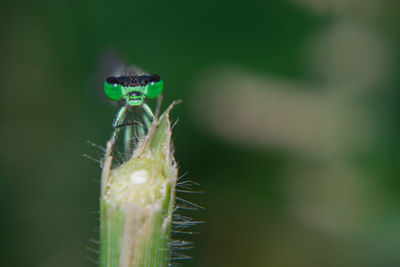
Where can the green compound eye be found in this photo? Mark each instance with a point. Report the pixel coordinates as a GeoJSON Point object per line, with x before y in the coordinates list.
{"type": "Point", "coordinates": [154, 87]}
{"type": "Point", "coordinates": [112, 89]}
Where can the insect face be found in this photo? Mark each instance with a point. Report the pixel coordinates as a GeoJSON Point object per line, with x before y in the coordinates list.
{"type": "Point", "coordinates": [133, 89]}
{"type": "Point", "coordinates": [134, 96]}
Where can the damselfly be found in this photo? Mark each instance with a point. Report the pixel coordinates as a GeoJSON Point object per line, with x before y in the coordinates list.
{"type": "Point", "coordinates": [132, 87]}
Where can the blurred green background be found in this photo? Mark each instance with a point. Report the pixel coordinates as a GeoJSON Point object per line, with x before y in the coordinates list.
{"type": "Point", "coordinates": [289, 122]}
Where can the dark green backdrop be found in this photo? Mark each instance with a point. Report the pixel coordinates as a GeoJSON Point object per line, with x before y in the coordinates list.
{"type": "Point", "coordinates": [54, 55]}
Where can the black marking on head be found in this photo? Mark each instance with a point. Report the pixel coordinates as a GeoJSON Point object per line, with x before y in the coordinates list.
{"type": "Point", "coordinates": [154, 78]}
{"type": "Point", "coordinates": [127, 81]}
{"type": "Point", "coordinates": [133, 81]}
{"type": "Point", "coordinates": [134, 93]}
{"type": "Point", "coordinates": [146, 79]}
{"type": "Point", "coordinates": [112, 80]}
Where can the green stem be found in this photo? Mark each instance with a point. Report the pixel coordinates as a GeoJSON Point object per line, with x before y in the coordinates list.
{"type": "Point", "coordinates": [137, 201]}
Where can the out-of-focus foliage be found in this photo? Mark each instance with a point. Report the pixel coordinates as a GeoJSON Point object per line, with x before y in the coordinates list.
{"type": "Point", "coordinates": [289, 122]}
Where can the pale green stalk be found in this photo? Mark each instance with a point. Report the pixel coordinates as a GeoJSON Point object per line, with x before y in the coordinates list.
{"type": "Point", "coordinates": [137, 201]}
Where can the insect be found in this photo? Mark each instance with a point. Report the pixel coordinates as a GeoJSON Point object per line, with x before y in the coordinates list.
{"type": "Point", "coordinates": [132, 88]}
